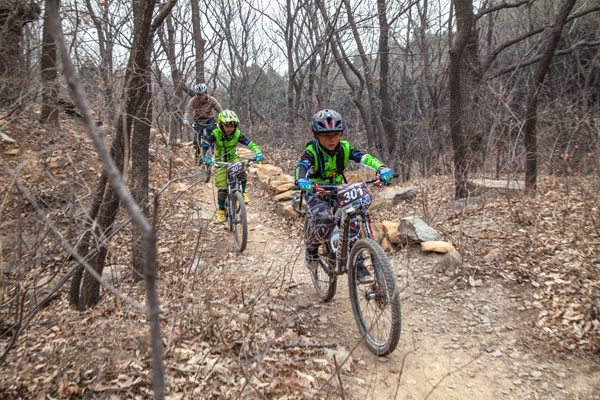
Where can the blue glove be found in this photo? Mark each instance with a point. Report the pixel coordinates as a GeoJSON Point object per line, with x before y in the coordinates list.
{"type": "Point", "coordinates": [259, 157]}
{"type": "Point", "coordinates": [208, 161]}
{"type": "Point", "coordinates": [186, 120]}
{"type": "Point", "coordinates": [305, 185]}
{"type": "Point", "coordinates": [385, 174]}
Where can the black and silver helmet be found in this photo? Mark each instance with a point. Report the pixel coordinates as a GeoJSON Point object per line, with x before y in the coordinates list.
{"type": "Point", "coordinates": [326, 121]}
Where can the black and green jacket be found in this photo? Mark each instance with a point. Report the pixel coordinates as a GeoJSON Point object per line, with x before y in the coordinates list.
{"type": "Point", "coordinates": [321, 166]}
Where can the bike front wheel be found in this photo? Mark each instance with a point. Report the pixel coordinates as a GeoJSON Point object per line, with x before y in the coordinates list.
{"type": "Point", "coordinates": [323, 278]}
{"type": "Point", "coordinates": [238, 222]}
{"type": "Point", "coordinates": [376, 304]}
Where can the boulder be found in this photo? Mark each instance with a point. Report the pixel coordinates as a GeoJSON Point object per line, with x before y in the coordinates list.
{"type": "Point", "coordinates": [391, 196]}
{"type": "Point", "coordinates": [413, 229]}
{"type": "Point", "coordinates": [477, 187]}
{"type": "Point", "coordinates": [285, 208]}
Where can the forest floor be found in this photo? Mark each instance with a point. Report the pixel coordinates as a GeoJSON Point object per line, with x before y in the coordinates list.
{"type": "Point", "coordinates": [517, 320]}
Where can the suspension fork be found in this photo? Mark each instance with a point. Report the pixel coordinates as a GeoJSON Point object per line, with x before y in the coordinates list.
{"type": "Point", "coordinates": [365, 221]}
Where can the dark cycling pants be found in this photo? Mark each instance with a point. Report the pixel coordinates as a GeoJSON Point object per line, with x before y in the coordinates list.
{"type": "Point", "coordinates": [198, 131]}
{"type": "Point", "coordinates": [320, 217]}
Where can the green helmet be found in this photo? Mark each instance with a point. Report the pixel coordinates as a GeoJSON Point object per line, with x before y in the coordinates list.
{"type": "Point", "coordinates": [227, 117]}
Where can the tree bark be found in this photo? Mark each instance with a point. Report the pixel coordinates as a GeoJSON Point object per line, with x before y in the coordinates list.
{"type": "Point", "coordinates": [49, 110]}
{"type": "Point", "coordinates": [141, 107]}
{"type": "Point", "coordinates": [14, 14]}
{"type": "Point", "coordinates": [458, 94]}
{"type": "Point", "coordinates": [532, 98]}
{"type": "Point", "coordinates": [199, 42]}
{"type": "Point", "coordinates": [389, 127]}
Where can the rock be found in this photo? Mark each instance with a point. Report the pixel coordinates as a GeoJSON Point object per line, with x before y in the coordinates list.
{"type": "Point", "coordinates": [285, 208]}
{"type": "Point", "coordinates": [390, 196]}
{"type": "Point", "coordinates": [276, 181]}
{"type": "Point", "coordinates": [477, 187]}
{"type": "Point", "coordinates": [264, 172]}
{"type": "Point", "coordinates": [413, 229]}
{"type": "Point", "coordinates": [438, 247]}
{"type": "Point", "coordinates": [285, 196]}
{"type": "Point", "coordinates": [391, 232]}
{"type": "Point", "coordinates": [283, 188]}
{"type": "Point", "coordinates": [7, 139]}
{"type": "Point", "coordinates": [449, 263]}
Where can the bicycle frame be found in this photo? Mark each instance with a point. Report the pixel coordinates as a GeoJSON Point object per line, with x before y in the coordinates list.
{"type": "Point", "coordinates": [233, 180]}
{"type": "Point", "coordinates": [235, 207]}
{"type": "Point", "coordinates": [200, 132]}
{"type": "Point", "coordinates": [342, 217]}
{"type": "Point", "coordinates": [374, 297]}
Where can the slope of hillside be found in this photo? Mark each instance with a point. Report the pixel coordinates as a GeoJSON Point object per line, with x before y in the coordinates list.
{"type": "Point", "coordinates": [518, 319]}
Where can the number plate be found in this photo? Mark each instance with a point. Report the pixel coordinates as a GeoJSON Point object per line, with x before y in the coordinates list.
{"type": "Point", "coordinates": [353, 193]}
{"type": "Point", "coordinates": [234, 169]}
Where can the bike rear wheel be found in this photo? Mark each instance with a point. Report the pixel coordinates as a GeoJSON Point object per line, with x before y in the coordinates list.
{"type": "Point", "coordinates": [376, 305]}
{"type": "Point", "coordinates": [323, 278]}
{"type": "Point", "coordinates": [238, 222]}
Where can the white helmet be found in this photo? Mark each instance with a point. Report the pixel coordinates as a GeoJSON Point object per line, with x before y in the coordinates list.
{"type": "Point", "coordinates": [200, 88]}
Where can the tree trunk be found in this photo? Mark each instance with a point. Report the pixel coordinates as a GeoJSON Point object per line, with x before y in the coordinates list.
{"type": "Point", "coordinates": [14, 14]}
{"type": "Point", "coordinates": [176, 103]}
{"type": "Point", "coordinates": [459, 95]}
{"type": "Point", "coordinates": [140, 141]}
{"type": "Point", "coordinates": [49, 110]}
{"type": "Point", "coordinates": [531, 107]}
{"type": "Point", "coordinates": [389, 126]}
{"type": "Point", "coordinates": [199, 42]}
{"type": "Point", "coordinates": [105, 32]}
{"type": "Point", "coordinates": [135, 95]}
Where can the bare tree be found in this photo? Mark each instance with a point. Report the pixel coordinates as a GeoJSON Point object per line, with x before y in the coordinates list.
{"type": "Point", "coordinates": [105, 31]}
{"type": "Point", "coordinates": [14, 14]}
{"type": "Point", "coordinates": [136, 102]}
{"type": "Point", "coordinates": [388, 123]}
{"type": "Point", "coordinates": [199, 42]}
{"type": "Point", "coordinates": [49, 110]}
{"type": "Point", "coordinates": [532, 98]}
{"type": "Point", "coordinates": [461, 51]}
{"type": "Point", "coordinates": [176, 98]}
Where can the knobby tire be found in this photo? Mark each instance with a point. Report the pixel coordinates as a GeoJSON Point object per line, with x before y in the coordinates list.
{"type": "Point", "coordinates": [239, 222]}
{"type": "Point", "coordinates": [324, 279]}
{"type": "Point", "coordinates": [376, 305]}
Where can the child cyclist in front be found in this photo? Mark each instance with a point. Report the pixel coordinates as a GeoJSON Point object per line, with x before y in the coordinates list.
{"type": "Point", "coordinates": [225, 139]}
{"type": "Point", "coordinates": [324, 161]}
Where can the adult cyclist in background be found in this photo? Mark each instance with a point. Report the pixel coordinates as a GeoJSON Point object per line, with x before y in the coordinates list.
{"type": "Point", "coordinates": [224, 140]}
{"type": "Point", "coordinates": [324, 161]}
{"type": "Point", "coordinates": [201, 108]}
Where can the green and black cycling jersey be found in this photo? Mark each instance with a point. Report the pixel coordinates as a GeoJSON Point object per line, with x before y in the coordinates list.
{"type": "Point", "coordinates": [322, 166]}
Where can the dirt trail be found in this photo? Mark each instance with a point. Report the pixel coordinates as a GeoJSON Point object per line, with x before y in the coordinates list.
{"type": "Point", "coordinates": [456, 342]}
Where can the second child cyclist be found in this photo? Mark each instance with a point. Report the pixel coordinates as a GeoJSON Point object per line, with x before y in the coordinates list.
{"type": "Point", "coordinates": [225, 139]}
{"type": "Point", "coordinates": [324, 161]}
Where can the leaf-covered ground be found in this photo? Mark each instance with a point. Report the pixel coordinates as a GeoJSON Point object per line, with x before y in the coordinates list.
{"type": "Point", "coordinates": [518, 319]}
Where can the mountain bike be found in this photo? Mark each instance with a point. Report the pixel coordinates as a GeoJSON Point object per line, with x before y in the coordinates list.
{"type": "Point", "coordinates": [376, 305]}
{"type": "Point", "coordinates": [235, 208]}
{"type": "Point", "coordinates": [201, 130]}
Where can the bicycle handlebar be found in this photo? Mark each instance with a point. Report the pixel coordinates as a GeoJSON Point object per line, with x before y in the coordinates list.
{"type": "Point", "coordinates": [332, 188]}
{"type": "Point", "coordinates": [200, 125]}
{"type": "Point", "coordinates": [221, 164]}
